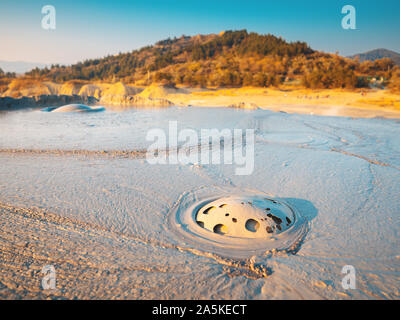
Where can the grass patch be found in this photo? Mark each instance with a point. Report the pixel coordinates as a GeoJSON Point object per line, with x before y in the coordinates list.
{"type": "Point", "coordinates": [382, 102]}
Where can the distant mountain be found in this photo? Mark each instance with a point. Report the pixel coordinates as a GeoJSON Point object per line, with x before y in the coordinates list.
{"type": "Point", "coordinates": [378, 54]}
{"type": "Point", "coordinates": [19, 66]}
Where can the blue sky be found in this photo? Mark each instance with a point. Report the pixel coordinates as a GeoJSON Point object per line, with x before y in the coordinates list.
{"type": "Point", "coordinates": [90, 29]}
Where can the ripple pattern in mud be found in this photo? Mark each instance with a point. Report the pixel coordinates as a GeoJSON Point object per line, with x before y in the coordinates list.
{"type": "Point", "coordinates": [295, 139]}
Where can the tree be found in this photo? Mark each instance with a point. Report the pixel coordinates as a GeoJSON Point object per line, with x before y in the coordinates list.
{"type": "Point", "coordinates": [164, 78]}
{"type": "Point", "coordinates": [395, 80]}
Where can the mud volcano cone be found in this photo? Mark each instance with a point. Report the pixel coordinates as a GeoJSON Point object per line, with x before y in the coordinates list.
{"type": "Point", "coordinates": [245, 217]}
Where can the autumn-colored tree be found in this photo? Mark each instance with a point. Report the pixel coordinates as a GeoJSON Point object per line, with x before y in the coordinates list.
{"type": "Point", "coordinates": [395, 80]}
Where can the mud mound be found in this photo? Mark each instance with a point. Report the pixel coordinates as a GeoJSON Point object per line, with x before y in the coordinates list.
{"type": "Point", "coordinates": [160, 91]}
{"type": "Point", "coordinates": [71, 87]}
{"type": "Point", "coordinates": [90, 90]}
{"type": "Point", "coordinates": [74, 108]}
{"type": "Point", "coordinates": [245, 217]}
{"type": "Point", "coordinates": [120, 89]}
{"type": "Point", "coordinates": [54, 88]}
{"type": "Point", "coordinates": [26, 88]}
{"type": "Point", "coordinates": [237, 223]}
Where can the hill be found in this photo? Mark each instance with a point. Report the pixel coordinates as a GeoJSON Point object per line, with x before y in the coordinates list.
{"type": "Point", "coordinates": [228, 59]}
{"type": "Point", "coordinates": [378, 54]}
